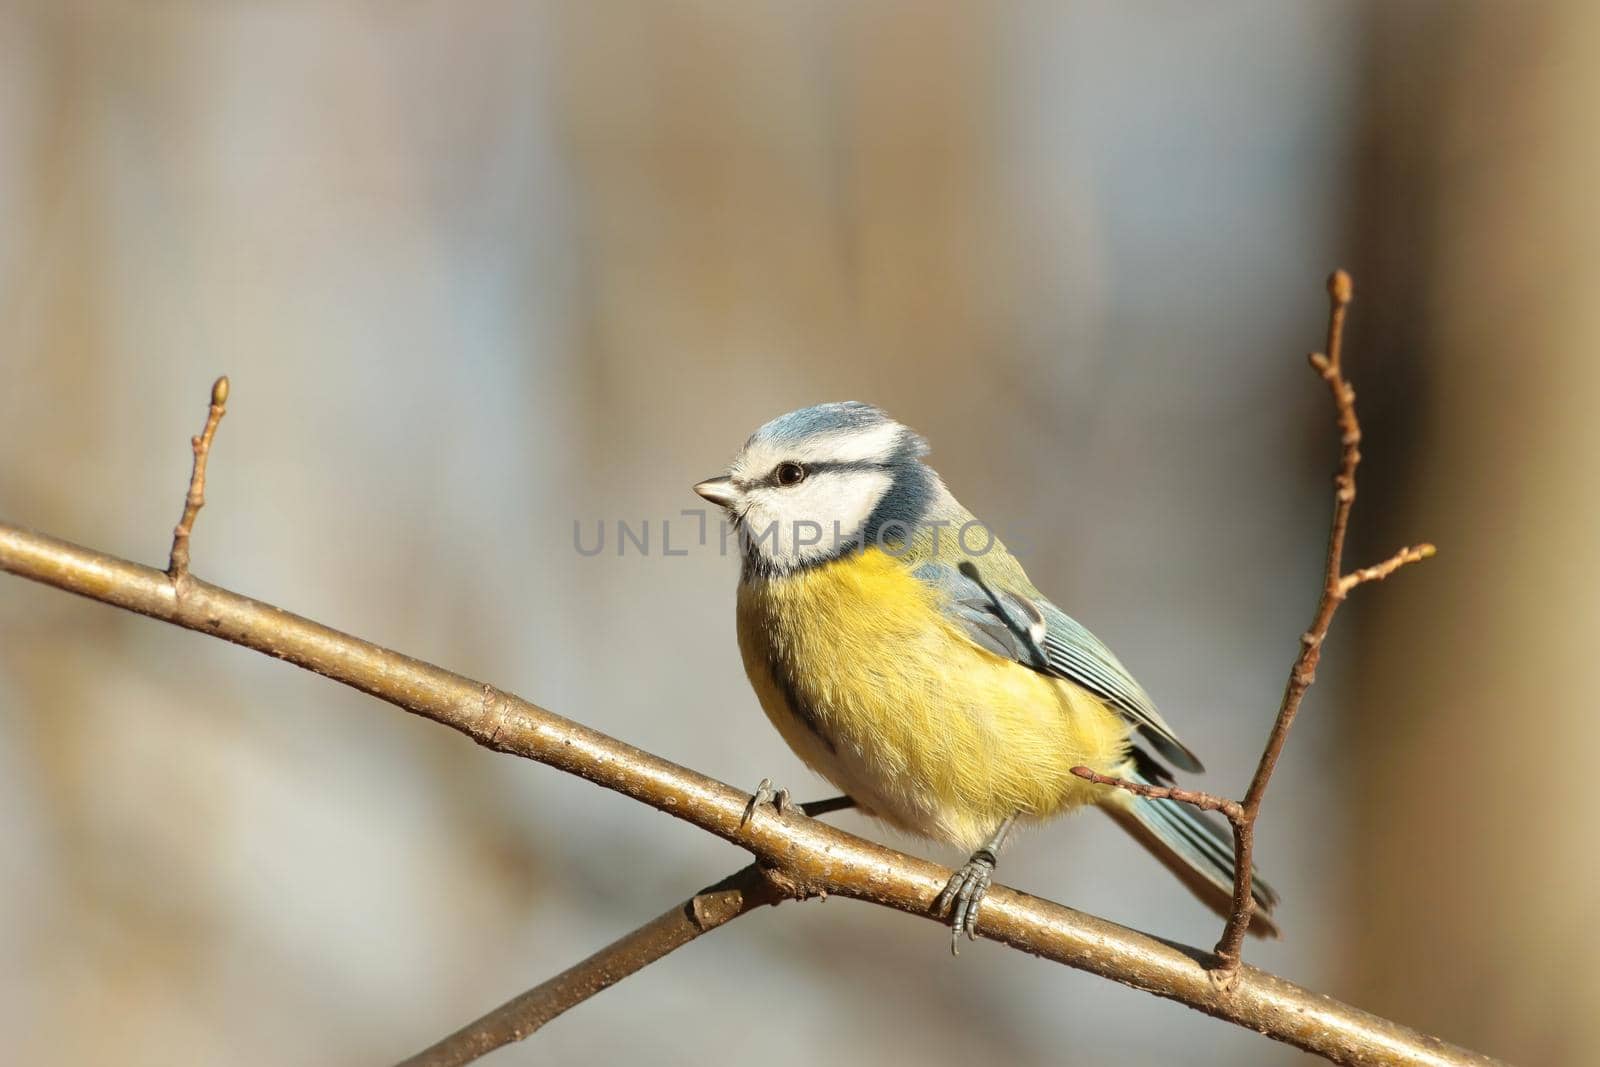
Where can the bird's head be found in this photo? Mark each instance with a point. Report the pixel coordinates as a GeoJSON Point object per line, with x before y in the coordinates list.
{"type": "Point", "coordinates": [817, 483]}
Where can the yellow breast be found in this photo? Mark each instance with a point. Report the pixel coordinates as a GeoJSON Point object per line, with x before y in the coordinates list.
{"type": "Point", "coordinates": [873, 688]}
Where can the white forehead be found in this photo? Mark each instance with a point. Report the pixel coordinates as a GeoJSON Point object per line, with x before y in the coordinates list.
{"type": "Point", "coordinates": [874, 443]}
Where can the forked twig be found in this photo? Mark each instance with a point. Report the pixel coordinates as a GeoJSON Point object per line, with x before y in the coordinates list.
{"type": "Point", "coordinates": [1336, 585]}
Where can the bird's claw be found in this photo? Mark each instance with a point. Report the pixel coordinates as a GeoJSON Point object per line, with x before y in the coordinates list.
{"type": "Point", "coordinates": [766, 794]}
{"type": "Point", "coordinates": [964, 894]}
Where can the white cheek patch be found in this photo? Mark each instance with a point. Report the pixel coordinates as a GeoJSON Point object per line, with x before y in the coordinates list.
{"type": "Point", "coordinates": [810, 521]}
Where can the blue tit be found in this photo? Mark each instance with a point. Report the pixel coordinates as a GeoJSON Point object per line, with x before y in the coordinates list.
{"type": "Point", "coordinates": [904, 655]}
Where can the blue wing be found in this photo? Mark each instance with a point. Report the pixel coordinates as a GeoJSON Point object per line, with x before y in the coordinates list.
{"type": "Point", "coordinates": [1035, 633]}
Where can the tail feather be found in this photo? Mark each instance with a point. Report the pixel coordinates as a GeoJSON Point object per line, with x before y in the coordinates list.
{"type": "Point", "coordinates": [1195, 848]}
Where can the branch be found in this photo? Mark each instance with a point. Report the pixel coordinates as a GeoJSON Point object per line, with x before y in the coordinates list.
{"type": "Point", "coordinates": [814, 857]}
{"type": "Point", "coordinates": [738, 894]}
{"type": "Point", "coordinates": [714, 906]}
{"type": "Point", "coordinates": [802, 856]}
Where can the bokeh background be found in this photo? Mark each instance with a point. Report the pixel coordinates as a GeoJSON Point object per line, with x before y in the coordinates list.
{"type": "Point", "coordinates": [479, 271]}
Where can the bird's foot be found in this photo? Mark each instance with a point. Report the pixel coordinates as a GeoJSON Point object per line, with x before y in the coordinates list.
{"type": "Point", "coordinates": [766, 794]}
{"type": "Point", "coordinates": [964, 895]}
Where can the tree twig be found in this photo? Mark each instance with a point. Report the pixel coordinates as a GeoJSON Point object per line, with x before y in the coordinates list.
{"type": "Point", "coordinates": [195, 499]}
{"type": "Point", "coordinates": [1336, 586]}
{"type": "Point", "coordinates": [738, 894]}
{"type": "Point", "coordinates": [1331, 368]}
{"type": "Point", "coordinates": [1203, 801]}
{"type": "Point", "coordinates": [1379, 571]}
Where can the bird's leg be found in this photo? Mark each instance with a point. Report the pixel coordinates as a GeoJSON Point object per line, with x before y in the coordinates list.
{"type": "Point", "coordinates": [969, 885]}
{"type": "Point", "coordinates": [781, 802]}
{"type": "Point", "coordinates": [813, 808]}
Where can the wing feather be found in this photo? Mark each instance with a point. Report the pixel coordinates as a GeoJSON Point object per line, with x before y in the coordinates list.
{"type": "Point", "coordinates": [1035, 633]}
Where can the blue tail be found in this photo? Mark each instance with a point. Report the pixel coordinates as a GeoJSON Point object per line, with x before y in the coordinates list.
{"type": "Point", "coordinates": [1195, 847]}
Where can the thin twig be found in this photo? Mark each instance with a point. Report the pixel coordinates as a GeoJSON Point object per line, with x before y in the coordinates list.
{"type": "Point", "coordinates": [195, 499]}
{"type": "Point", "coordinates": [738, 894]}
{"type": "Point", "coordinates": [1379, 571]}
{"type": "Point", "coordinates": [1203, 801]}
{"type": "Point", "coordinates": [1242, 815]}
{"type": "Point", "coordinates": [1331, 369]}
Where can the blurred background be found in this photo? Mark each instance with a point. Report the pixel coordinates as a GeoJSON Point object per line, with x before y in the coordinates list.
{"type": "Point", "coordinates": [481, 271]}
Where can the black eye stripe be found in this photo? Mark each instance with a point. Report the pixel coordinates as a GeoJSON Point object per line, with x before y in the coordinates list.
{"type": "Point", "coordinates": [823, 467]}
{"type": "Point", "coordinates": [854, 465]}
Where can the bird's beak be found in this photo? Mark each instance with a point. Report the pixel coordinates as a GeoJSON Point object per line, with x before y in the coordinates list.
{"type": "Point", "coordinates": [719, 491]}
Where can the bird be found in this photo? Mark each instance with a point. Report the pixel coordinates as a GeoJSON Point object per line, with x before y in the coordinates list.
{"type": "Point", "coordinates": [903, 654]}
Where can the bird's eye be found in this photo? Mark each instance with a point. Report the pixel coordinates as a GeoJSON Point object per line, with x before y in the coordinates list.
{"type": "Point", "coordinates": [789, 474]}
